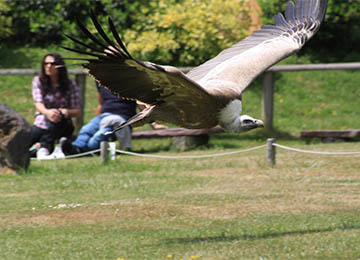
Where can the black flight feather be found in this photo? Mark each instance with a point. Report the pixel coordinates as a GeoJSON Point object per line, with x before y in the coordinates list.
{"type": "Point", "coordinates": [117, 38]}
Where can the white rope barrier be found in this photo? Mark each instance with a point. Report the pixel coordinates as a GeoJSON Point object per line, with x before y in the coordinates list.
{"type": "Point", "coordinates": [190, 156]}
{"type": "Point", "coordinates": [151, 155]}
{"type": "Point", "coordinates": [107, 151]}
{"type": "Point", "coordinates": [313, 152]}
{"type": "Point", "coordinates": [82, 154]}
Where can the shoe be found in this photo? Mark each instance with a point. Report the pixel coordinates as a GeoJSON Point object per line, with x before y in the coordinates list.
{"type": "Point", "coordinates": [67, 148]}
{"type": "Point", "coordinates": [58, 153]}
{"type": "Point", "coordinates": [42, 153]}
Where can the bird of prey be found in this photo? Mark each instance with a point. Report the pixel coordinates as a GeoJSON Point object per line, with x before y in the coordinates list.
{"type": "Point", "coordinates": [210, 94]}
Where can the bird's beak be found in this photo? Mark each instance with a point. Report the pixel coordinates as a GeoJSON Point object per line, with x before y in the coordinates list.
{"type": "Point", "coordinates": [259, 123]}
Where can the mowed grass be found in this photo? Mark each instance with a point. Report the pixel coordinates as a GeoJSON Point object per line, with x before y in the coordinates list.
{"type": "Point", "coordinates": [232, 207]}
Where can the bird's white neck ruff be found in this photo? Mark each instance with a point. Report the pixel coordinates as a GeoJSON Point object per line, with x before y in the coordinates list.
{"type": "Point", "coordinates": [229, 116]}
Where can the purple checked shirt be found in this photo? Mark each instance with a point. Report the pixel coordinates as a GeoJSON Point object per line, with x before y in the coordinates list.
{"type": "Point", "coordinates": [54, 100]}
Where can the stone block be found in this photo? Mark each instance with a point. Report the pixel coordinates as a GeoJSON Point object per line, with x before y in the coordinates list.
{"type": "Point", "coordinates": [15, 134]}
{"type": "Point", "coordinates": [186, 142]}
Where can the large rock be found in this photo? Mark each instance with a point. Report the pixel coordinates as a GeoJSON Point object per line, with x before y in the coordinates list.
{"type": "Point", "coordinates": [14, 140]}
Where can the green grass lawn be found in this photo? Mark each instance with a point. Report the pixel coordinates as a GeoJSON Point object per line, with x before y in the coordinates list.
{"type": "Point", "coordinates": [233, 207]}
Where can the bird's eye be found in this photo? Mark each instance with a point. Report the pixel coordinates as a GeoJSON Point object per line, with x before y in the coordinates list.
{"type": "Point", "coordinates": [247, 121]}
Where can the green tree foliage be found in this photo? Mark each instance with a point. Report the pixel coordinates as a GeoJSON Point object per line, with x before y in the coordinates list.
{"type": "Point", "coordinates": [5, 22]}
{"type": "Point", "coordinates": [187, 32]}
{"type": "Point", "coordinates": [182, 32]}
{"type": "Point", "coordinates": [44, 22]}
{"type": "Point", "coordinates": [339, 36]}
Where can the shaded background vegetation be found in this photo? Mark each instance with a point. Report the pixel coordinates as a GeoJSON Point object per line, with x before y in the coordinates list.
{"type": "Point", "coordinates": [180, 32]}
{"type": "Point", "coordinates": [339, 36]}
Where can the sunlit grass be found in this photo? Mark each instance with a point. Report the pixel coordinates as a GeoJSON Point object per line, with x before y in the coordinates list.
{"type": "Point", "coordinates": [233, 207]}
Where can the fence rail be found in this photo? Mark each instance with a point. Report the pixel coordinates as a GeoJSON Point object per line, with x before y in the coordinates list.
{"type": "Point", "coordinates": [7, 72]}
{"type": "Point", "coordinates": [268, 83]}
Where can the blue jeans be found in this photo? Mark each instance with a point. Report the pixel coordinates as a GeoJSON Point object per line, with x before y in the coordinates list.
{"type": "Point", "coordinates": [90, 135]}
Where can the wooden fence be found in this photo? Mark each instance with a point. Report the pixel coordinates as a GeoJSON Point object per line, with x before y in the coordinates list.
{"type": "Point", "coordinates": [268, 83]}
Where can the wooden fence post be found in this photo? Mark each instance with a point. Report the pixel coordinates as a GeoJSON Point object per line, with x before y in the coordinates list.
{"type": "Point", "coordinates": [270, 151]}
{"type": "Point", "coordinates": [81, 82]}
{"type": "Point", "coordinates": [104, 153]}
{"type": "Point", "coordinates": [268, 100]}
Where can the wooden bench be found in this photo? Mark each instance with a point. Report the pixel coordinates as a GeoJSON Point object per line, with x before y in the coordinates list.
{"type": "Point", "coordinates": [332, 135]}
{"type": "Point", "coordinates": [182, 138]}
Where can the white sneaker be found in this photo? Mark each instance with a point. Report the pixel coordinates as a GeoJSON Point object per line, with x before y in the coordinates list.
{"type": "Point", "coordinates": [42, 153]}
{"type": "Point", "coordinates": [57, 153]}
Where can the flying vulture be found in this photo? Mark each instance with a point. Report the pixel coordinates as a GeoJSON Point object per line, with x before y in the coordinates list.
{"type": "Point", "coordinates": [210, 94]}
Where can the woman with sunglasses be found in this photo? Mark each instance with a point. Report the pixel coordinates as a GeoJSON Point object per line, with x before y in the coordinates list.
{"type": "Point", "coordinates": [56, 98]}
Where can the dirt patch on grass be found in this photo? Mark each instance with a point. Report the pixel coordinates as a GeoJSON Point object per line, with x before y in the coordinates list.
{"type": "Point", "coordinates": [250, 195]}
{"type": "Point", "coordinates": [19, 194]}
{"type": "Point", "coordinates": [96, 213]}
{"type": "Point", "coordinates": [298, 183]}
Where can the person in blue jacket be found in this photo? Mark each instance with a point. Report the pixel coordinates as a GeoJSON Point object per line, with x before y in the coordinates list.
{"type": "Point", "coordinates": [111, 112]}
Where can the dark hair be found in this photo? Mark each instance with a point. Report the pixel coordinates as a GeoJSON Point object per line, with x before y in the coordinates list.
{"type": "Point", "coordinates": [63, 75]}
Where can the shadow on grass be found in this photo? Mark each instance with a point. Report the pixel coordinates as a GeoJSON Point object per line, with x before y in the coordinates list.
{"type": "Point", "coordinates": [257, 135]}
{"type": "Point", "coordinates": [153, 149]}
{"type": "Point", "coordinates": [226, 238]}
{"type": "Point", "coordinates": [223, 141]}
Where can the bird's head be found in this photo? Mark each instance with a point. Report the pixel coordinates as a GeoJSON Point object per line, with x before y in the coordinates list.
{"type": "Point", "coordinates": [242, 123]}
{"type": "Point", "coordinates": [231, 120]}
{"type": "Point", "coordinates": [248, 123]}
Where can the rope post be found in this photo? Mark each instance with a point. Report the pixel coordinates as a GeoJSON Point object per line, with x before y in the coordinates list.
{"type": "Point", "coordinates": [104, 154]}
{"type": "Point", "coordinates": [112, 150]}
{"type": "Point", "coordinates": [270, 151]}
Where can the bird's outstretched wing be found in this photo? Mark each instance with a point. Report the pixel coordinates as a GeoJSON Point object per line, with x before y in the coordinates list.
{"type": "Point", "coordinates": [238, 65]}
{"type": "Point", "coordinates": [113, 67]}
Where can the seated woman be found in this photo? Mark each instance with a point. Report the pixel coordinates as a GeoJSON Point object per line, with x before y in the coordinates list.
{"type": "Point", "coordinates": [56, 98]}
